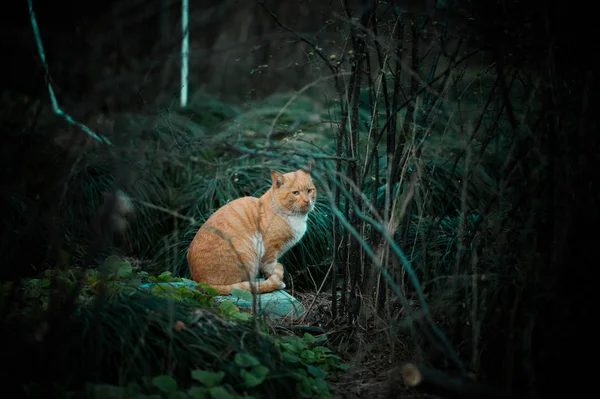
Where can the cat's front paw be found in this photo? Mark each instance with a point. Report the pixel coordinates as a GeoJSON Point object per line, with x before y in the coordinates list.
{"type": "Point", "coordinates": [281, 285]}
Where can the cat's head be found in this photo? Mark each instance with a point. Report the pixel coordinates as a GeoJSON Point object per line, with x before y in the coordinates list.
{"type": "Point", "coordinates": [294, 193]}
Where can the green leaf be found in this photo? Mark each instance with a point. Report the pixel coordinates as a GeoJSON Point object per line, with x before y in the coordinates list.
{"type": "Point", "coordinates": [240, 316]}
{"type": "Point", "coordinates": [242, 294]}
{"type": "Point", "coordinates": [290, 357]}
{"type": "Point", "coordinates": [289, 347]}
{"type": "Point", "coordinates": [124, 270]}
{"type": "Point", "coordinates": [246, 360]}
{"type": "Point", "coordinates": [322, 349]}
{"type": "Point", "coordinates": [112, 263]}
{"type": "Point", "coordinates": [232, 311]}
{"type": "Point", "coordinates": [165, 276]}
{"type": "Point", "coordinates": [333, 360]}
{"type": "Point", "coordinates": [208, 378]}
{"type": "Point", "coordinates": [309, 356]}
{"type": "Point", "coordinates": [228, 307]}
{"type": "Point", "coordinates": [300, 344]}
{"type": "Point", "coordinates": [220, 393]}
{"type": "Point", "coordinates": [165, 383]}
{"type": "Point", "coordinates": [260, 370]}
{"type": "Point", "coordinates": [316, 372]}
{"type": "Point", "coordinates": [208, 290]}
{"type": "Point", "coordinates": [320, 385]}
{"type": "Point", "coordinates": [116, 267]}
{"type": "Point", "coordinates": [255, 376]}
{"type": "Point", "coordinates": [309, 338]}
{"type": "Point", "coordinates": [321, 338]}
{"type": "Point", "coordinates": [305, 388]}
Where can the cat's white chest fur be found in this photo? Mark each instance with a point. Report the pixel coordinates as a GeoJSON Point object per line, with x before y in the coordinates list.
{"type": "Point", "coordinates": [298, 227]}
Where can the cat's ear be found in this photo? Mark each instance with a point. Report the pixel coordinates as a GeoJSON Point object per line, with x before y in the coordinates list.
{"type": "Point", "coordinates": [307, 168]}
{"type": "Point", "coordinates": [277, 178]}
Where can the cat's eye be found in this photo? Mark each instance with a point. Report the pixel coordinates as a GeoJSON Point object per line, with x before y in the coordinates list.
{"type": "Point", "coordinates": [310, 190]}
{"type": "Point", "coordinates": [296, 192]}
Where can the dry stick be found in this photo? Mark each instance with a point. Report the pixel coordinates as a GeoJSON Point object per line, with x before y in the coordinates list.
{"type": "Point", "coordinates": [475, 320]}
{"type": "Point", "coordinates": [407, 266]}
{"type": "Point", "coordinates": [438, 383]}
{"type": "Point", "coordinates": [350, 200]}
{"type": "Point", "coordinates": [382, 65]}
{"type": "Point", "coordinates": [391, 129]}
{"type": "Point", "coordinates": [315, 48]}
{"type": "Point", "coordinates": [459, 156]}
{"type": "Point", "coordinates": [334, 248]}
{"type": "Point", "coordinates": [373, 130]}
{"type": "Point", "coordinates": [287, 154]}
{"type": "Point", "coordinates": [373, 103]}
{"type": "Point", "coordinates": [378, 217]}
{"type": "Point", "coordinates": [396, 249]}
{"type": "Point", "coordinates": [421, 90]}
{"type": "Point", "coordinates": [303, 38]}
{"type": "Point", "coordinates": [374, 133]}
{"type": "Point", "coordinates": [165, 210]}
{"type": "Point", "coordinates": [462, 219]}
{"type": "Point", "coordinates": [407, 201]}
{"type": "Point", "coordinates": [397, 87]}
{"type": "Point", "coordinates": [302, 90]}
{"type": "Point", "coordinates": [338, 170]}
{"type": "Point", "coordinates": [481, 153]}
{"type": "Point", "coordinates": [504, 90]}
{"type": "Point", "coordinates": [317, 294]}
{"type": "Point", "coordinates": [443, 84]}
{"type": "Point", "coordinates": [412, 72]}
{"type": "Point", "coordinates": [338, 251]}
{"type": "Point", "coordinates": [344, 144]}
{"type": "Point", "coordinates": [341, 129]}
{"type": "Point", "coordinates": [410, 116]}
{"type": "Point", "coordinates": [358, 46]}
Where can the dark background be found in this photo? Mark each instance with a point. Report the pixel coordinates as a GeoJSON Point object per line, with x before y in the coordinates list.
{"type": "Point", "coordinates": [566, 337]}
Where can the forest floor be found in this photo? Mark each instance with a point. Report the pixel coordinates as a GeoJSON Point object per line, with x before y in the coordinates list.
{"type": "Point", "coordinates": [371, 373]}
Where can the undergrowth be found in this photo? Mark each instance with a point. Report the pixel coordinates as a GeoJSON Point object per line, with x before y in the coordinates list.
{"type": "Point", "coordinates": [124, 339]}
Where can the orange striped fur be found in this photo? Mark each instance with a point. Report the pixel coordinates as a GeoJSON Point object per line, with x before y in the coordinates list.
{"type": "Point", "coordinates": [249, 234]}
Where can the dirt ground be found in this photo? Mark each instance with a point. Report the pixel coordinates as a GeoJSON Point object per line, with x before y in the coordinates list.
{"type": "Point", "coordinates": [371, 374]}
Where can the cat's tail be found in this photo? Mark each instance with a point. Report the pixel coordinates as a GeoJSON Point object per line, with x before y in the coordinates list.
{"type": "Point", "coordinates": [273, 283]}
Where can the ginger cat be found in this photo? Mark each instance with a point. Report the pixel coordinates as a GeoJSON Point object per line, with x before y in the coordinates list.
{"type": "Point", "coordinates": [249, 234]}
